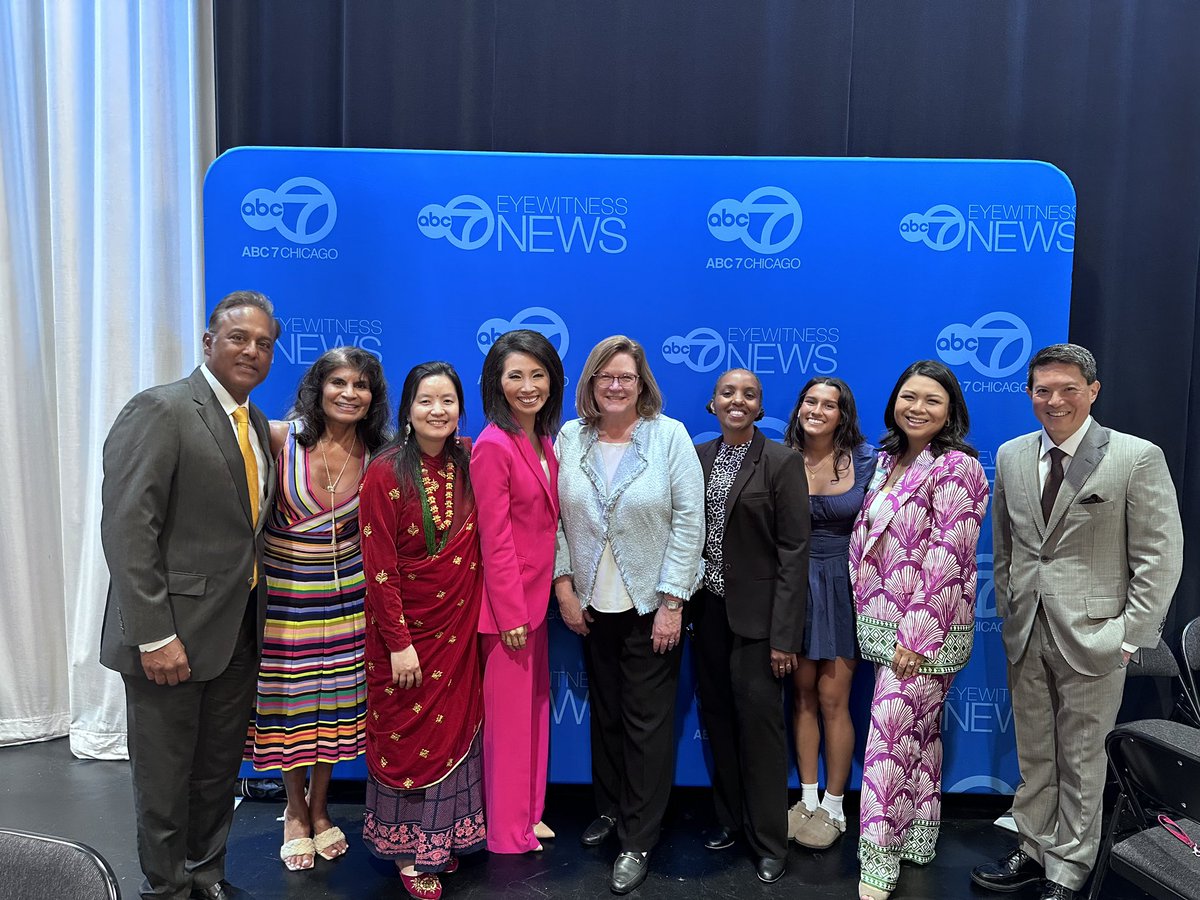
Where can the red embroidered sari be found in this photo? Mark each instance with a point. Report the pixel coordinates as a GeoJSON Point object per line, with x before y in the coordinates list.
{"type": "Point", "coordinates": [418, 736]}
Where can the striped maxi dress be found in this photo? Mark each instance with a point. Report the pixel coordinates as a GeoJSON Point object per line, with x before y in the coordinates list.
{"type": "Point", "coordinates": [311, 702]}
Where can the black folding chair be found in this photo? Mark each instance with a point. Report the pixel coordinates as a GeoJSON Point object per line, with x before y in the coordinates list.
{"type": "Point", "coordinates": [1157, 766]}
{"type": "Point", "coordinates": [40, 867]}
{"type": "Point", "coordinates": [1191, 662]}
{"type": "Point", "coordinates": [1157, 661]}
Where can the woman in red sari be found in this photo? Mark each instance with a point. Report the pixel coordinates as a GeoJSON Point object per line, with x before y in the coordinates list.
{"type": "Point", "coordinates": [424, 705]}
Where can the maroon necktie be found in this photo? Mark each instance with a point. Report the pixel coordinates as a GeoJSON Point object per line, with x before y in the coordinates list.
{"type": "Point", "coordinates": [1054, 481]}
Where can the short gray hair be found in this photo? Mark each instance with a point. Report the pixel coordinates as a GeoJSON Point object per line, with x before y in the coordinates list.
{"type": "Point", "coordinates": [1068, 355]}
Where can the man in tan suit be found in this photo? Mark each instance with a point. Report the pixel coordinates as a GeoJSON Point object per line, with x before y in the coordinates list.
{"type": "Point", "coordinates": [188, 479]}
{"type": "Point", "coordinates": [1088, 550]}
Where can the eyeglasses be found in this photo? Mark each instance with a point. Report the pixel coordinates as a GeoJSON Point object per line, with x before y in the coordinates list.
{"type": "Point", "coordinates": [625, 380]}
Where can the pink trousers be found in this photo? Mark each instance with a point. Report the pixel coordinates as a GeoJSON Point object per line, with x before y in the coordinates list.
{"type": "Point", "coordinates": [516, 739]}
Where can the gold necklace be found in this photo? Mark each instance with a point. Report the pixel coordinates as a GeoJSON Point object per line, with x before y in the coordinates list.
{"type": "Point", "coordinates": [331, 486]}
{"type": "Point", "coordinates": [820, 461]}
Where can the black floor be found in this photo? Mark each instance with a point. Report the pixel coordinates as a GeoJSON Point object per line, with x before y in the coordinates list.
{"type": "Point", "coordinates": [43, 788]}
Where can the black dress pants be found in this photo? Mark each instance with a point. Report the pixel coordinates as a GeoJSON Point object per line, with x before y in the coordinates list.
{"type": "Point", "coordinates": [185, 748]}
{"type": "Point", "coordinates": [632, 697]}
{"type": "Point", "coordinates": [741, 707]}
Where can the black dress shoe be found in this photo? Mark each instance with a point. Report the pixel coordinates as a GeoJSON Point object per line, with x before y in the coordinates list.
{"type": "Point", "coordinates": [222, 890]}
{"type": "Point", "coordinates": [630, 870]}
{"type": "Point", "coordinates": [771, 868]}
{"type": "Point", "coordinates": [1054, 891]}
{"type": "Point", "coordinates": [1009, 873]}
{"type": "Point", "coordinates": [595, 833]}
{"type": "Point", "coordinates": [721, 838]}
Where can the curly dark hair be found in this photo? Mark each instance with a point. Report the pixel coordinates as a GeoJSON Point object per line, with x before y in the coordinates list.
{"type": "Point", "coordinates": [847, 436]}
{"type": "Point", "coordinates": [953, 435]}
{"type": "Point", "coordinates": [375, 428]}
{"type": "Point", "coordinates": [495, 406]}
{"type": "Point", "coordinates": [404, 452]}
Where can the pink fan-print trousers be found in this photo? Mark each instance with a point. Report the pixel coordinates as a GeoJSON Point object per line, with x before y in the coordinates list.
{"type": "Point", "coordinates": [902, 775]}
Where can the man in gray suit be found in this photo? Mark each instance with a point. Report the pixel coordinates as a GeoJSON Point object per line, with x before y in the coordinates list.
{"type": "Point", "coordinates": [188, 479]}
{"type": "Point", "coordinates": [1088, 550]}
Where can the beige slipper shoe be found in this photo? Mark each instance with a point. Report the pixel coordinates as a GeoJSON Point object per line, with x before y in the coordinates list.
{"type": "Point", "coordinates": [797, 816]}
{"type": "Point", "coordinates": [298, 847]}
{"type": "Point", "coordinates": [820, 830]}
{"type": "Point", "coordinates": [327, 839]}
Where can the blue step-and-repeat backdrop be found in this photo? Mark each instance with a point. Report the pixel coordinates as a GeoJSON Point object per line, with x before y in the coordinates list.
{"type": "Point", "coordinates": [787, 267]}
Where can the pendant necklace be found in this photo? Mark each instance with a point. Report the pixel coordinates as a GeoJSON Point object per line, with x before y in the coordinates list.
{"type": "Point", "coordinates": [813, 469]}
{"type": "Point", "coordinates": [331, 486]}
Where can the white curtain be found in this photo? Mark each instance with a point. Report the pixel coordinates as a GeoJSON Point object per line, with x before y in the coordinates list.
{"type": "Point", "coordinates": [106, 130]}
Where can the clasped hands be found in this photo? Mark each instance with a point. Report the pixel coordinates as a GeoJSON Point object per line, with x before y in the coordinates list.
{"type": "Point", "coordinates": [906, 663]}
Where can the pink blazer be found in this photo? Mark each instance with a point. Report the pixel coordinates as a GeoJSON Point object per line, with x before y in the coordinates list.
{"type": "Point", "coordinates": [517, 510]}
{"type": "Point", "coordinates": [913, 568]}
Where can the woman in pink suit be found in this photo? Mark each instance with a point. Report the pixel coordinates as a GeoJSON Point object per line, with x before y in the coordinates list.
{"type": "Point", "coordinates": [912, 570]}
{"type": "Point", "coordinates": [515, 476]}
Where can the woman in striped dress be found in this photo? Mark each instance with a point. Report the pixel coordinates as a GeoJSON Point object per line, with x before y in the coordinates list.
{"type": "Point", "coordinates": [311, 702]}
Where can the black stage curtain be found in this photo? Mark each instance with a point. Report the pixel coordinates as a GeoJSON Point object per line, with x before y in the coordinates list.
{"type": "Point", "coordinates": [1107, 90]}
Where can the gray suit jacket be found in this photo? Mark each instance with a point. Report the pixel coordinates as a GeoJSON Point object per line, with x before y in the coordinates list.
{"type": "Point", "coordinates": [1107, 563]}
{"type": "Point", "coordinates": [177, 530]}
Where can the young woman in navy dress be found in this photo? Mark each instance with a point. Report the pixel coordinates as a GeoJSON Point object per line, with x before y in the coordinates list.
{"type": "Point", "coordinates": [838, 462]}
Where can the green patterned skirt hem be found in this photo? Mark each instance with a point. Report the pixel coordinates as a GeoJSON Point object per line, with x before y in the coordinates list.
{"type": "Point", "coordinates": [880, 866]}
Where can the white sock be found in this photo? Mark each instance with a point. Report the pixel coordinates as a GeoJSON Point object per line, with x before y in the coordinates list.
{"type": "Point", "coordinates": [832, 804]}
{"type": "Point", "coordinates": [808, 796]}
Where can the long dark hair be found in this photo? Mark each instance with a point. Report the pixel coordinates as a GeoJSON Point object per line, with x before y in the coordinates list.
{"type": "Point", "coordinates": [953, 435]}
{"type": "Point", "coordinates": [491, 387]}
{"type": "Point", "coordinates": [375, 428]}
{"type": "Point", "coordinates": [405, 452]}
{"type": "Point", "coordinates": [847, 435]}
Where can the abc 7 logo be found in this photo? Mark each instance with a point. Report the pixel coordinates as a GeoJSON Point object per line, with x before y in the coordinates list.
{"type": "Point", "coordinates": [466, 222]}
{"type": "Point", "coordinates": [772, 428]}
{"type": "Point", "coordinates": [941, 228]}
{"type": "Point", "coordinates": [996, 345]}
{"type": "Point", "coordinates": [767, 221]}
{"type": "Point", "coordinates": [978, 784]}
{"type": "Point", "coordinates": [985, 588]}
{"type": "Point", "coordinates": [545, 322]}
{"type": "Point", "coordinates": [264, 209]}
{"type": "Point", "coordinates": [701, 350]}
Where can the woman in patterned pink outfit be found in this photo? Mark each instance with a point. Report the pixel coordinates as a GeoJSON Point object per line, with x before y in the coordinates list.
{"type": "Point", "coordinates": [912, 568]}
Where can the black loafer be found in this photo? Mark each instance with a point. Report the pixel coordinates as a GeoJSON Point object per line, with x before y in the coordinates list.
{"type": "Point", "coordinates": [222, 890]}
{"type": "Point", "coordinates": [595, 833]}
{"type": "Point", "coordinates": [721, 838]}
{"type": "Point", "coordinates": [1009, 873]}
{"type": "Point", "coordinates": [1052, 890]}
{"type": "Point", "coordinates": [630, 870]}
{"type": "Point", "coordinates": [771, 869]}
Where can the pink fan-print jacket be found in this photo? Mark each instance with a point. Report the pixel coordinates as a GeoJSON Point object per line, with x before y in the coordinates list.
{"type": "Point", "coordinates": [913, 568]}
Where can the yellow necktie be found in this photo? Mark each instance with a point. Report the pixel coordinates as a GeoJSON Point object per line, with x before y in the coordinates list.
{"type": "Point", "coordinates": [242, 419]}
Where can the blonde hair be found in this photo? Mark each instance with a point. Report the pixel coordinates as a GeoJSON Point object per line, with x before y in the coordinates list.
{"type": "Point", "coordinates": [650, 400]}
